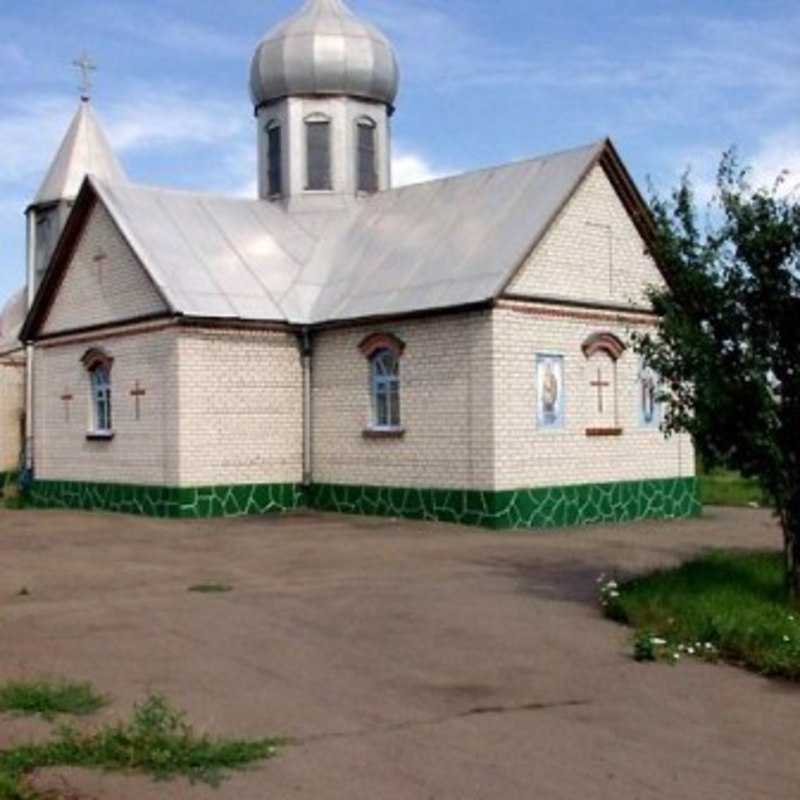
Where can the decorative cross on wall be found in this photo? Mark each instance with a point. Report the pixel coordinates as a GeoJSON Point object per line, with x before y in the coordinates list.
{"type": "Point", "coordinates": [66, 398]}
{"type": "Point", "coordinates": [137, 393]}
{"type": "Point", "coordinates": [600, 384]}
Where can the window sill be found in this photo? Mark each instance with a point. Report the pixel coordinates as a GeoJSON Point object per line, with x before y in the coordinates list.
{"type": "Point", "coordinates": [99, 436]}
{"type": "Point", "coordinates": [384, 433]}
{"type": "Point", "coordinates": [604, 431]}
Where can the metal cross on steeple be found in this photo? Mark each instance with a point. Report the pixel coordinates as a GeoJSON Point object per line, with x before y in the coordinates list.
{"type": "Point", "coordinates": [87, 67]}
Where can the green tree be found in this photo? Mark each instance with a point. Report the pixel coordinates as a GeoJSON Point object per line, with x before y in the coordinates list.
{"type": "Point", "coordinates": [727, 343]}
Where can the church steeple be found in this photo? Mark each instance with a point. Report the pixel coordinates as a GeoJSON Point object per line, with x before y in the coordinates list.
{"type": "Point", "coordinates": [84, 151]}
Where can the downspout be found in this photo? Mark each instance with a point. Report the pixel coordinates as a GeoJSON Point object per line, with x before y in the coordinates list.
{"type": "Point", "coordinates": [31, 292]}
{"type": "Point", "coordinates": [307, 353]}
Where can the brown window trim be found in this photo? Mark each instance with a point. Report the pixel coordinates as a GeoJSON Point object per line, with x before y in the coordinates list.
{"type": "Point", "coordinates": [382, 341]}
{"type": "Point", "coordinates": [604, 342]}
{"type": "Point", "coordinates": [604, 431]}
{"type": "Point", "coordinates": [96, 357]}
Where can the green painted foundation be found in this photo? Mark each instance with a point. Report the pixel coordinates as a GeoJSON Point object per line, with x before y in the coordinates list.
{"type": "Point", "coordinates": [159, 501]}
{"type": "Point", "coordinates": [555, 507]}
{"type": "Point", "coordinates": [525, 508]}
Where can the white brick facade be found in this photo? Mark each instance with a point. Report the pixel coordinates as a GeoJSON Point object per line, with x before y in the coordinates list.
{"type": "Point", "coordinates": [143, 451]}
{"type": "Point", "coordinates": [105, 282]}
{"type": "Point", "coordinates": [528, 457]}
{"type": "Point", "coordinates": [446, 408]}
{"type": "Point", "coordinates": [12, 410]}
{"type": "Point", "coordinates": [592, 253]}
{"type": "Point", "coordinates": [241, 401]}
{"type": "Point", "coordinates": [225, 407]}
{"type": "Point", "coordinates": [220, 408]}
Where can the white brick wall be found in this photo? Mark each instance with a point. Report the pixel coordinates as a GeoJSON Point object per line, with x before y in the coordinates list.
{"type": "Point", "coordinates": [527, 457]}
{"type": "Point", "coordinates": [592, 253]}
{"type": "Point", "coordinates": [241, 400]}
{"type": "Point", "coordinates": [446, 406]}
{"type": "Point", "coordinates": [12, 410]}
{"type": "Point", "coordinates": [143, 451]}
{"type": "Point", "coordinates": [112, 289]}
{"type": "Point", "coordinates": [221, 408]}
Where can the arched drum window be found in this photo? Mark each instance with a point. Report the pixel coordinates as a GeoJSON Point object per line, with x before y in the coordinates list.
{"type": "Point", "coordinates": [367, 172]}
{"type": "Point", "coordinates": [318, 153]}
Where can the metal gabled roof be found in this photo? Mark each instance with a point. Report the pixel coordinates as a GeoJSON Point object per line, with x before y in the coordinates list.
{"type": "Point", "coordinates": [447, 243]}
{"type": "Point", "coordinates": [84, 150]}
{"type": "Point", "coordinates": [450, 242]}
{"type": "Point", "coordinates": [211, 256]}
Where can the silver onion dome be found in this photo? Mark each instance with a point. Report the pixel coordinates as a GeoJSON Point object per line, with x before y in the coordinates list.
{"type": "Point", "coordinates": [324, 49]}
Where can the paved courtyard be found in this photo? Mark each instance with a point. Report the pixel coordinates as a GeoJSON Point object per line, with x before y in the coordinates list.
{"type": "Point", "coordinates": [406, 661]}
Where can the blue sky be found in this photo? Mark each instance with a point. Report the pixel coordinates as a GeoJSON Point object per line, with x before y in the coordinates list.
{"type": "Point", "coordinates": [673, 83]}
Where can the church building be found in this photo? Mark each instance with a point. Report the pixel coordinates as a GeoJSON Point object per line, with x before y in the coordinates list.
{"type": "Point", "coordinates": [456, 350]}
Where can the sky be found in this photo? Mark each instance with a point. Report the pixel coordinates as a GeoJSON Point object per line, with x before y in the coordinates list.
{"type": "Point", "coordinates": [483, 82]}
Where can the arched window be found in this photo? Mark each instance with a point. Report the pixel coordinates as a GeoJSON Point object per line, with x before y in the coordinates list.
{"type": "Point", "coordinates": [318, 153]}
{"type": "Point", "coordinates": [367, 176]}
{"type": "Point", "coordinates": [385, 389]}
{"type": "Point", "coordinates": [274, 155]}
{"type": "Point", "coordinates": [101, 399]}
{"type": "Point", "coordinates": [98, 364]}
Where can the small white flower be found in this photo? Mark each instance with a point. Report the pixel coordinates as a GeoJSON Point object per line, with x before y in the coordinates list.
{"type": "Point", "coordinates": [786, 639]}
{"type": "Point", "coordinates": [601, 578]}
{"type": "Point", "coordinates": [676, 656]}
{"type": "Point", "coordinates": [613, 594]}
{"type": "Point", "coordinates": [709, 646]}
{"type": "Point", "coordinates": [612, 585]}
{"type": "Point", "coordinates": [690, 650]}
{"type": "Point", "coordinates": [658, 642]}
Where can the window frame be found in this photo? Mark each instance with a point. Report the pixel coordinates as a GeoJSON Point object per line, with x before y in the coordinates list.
{"type": "Point", "coordinates": [384, 350]}
{"type": "Point", "coordinates": [274, 166]}
{"type": "Point", "coordinates": [385, 391]}
{"type": "Point", "coordinates": [309, 122]}
{"type": "Point", "coordinates": [98, 365]}
{"type": "Point", "coordinates": [373, 184]}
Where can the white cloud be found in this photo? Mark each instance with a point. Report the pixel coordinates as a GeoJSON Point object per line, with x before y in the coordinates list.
{"type": "Point", "coordinates": [148, 119]}
{"type": "Point", "coordinates": [409, 167]}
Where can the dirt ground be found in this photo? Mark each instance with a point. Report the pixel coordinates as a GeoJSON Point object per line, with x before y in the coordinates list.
{"type": "Point", "coordinates": [407, 661]}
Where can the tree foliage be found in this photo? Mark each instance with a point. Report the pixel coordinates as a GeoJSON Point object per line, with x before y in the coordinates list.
{"type": "Point", "coordinates": [728, 341]}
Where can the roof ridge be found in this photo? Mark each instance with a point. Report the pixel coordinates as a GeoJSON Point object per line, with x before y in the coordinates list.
{"type": "Point", "coordinates": [598, 144]}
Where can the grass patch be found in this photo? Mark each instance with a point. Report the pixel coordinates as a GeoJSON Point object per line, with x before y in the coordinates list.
{"type": "Point", "coordinates": [721, 487]}
{"type": "Point", "coordinates": [50, 699]}
{"type": "Point", "coordinates": [735, 602]}
{"type": "Point", "coordinates": [156, 741]}
{"type": "Point", "coordinates": [211, 588]}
